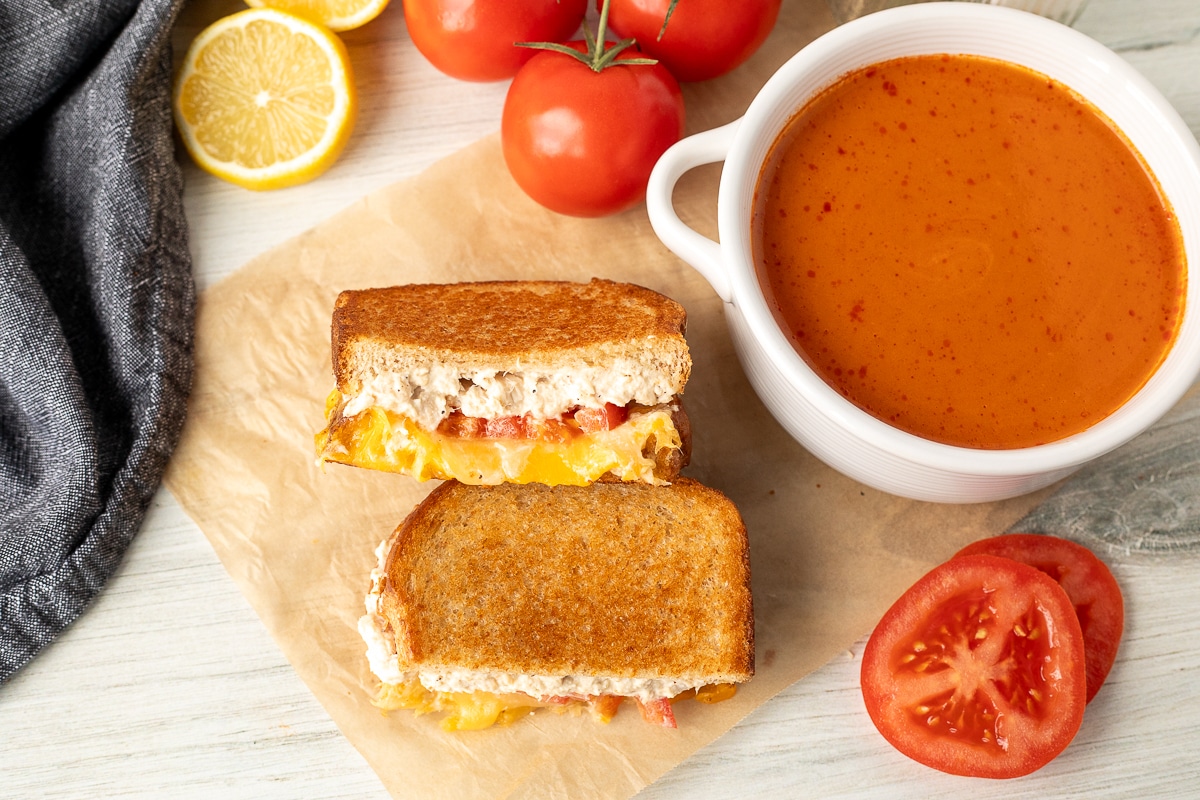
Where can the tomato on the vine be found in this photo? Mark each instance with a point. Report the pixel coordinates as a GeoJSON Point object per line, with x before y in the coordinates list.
{"type": "Point", "coordinates": [582, 141]}
{"type": "Point", "coordinates": [702, 39]}
{"type": "Point", "coordinates": [474, 40]}
{"type": "Point", "coordinates": [978, 669]}
{"type": "Point", "coordinates": [1088, 582]}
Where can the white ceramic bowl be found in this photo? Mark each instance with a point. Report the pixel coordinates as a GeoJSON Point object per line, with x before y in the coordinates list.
{"type": "Point", "coordinates": [831, 427]}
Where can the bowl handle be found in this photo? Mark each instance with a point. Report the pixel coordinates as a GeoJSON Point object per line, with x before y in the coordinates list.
{"type": "Point", "coordinates": [696, 249]}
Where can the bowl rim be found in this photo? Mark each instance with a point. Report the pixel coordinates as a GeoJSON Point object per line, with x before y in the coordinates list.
{"type": "Point", "coordinates": [1018, 37]}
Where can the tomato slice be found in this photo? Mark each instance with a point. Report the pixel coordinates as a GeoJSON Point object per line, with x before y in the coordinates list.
{"type": "Point", "coordinates": [605, 706]}
{"type": "Point", "coordinates": [1092, 588]}
{"type": "Point", "coordinates": [549, 430]}
{"type": "Point", "coordinates": [505, 428]}
{"type": "Point", "coordinates": [978, 669]}
{"type": "Point", "coordinates": [462, 426]}
{"type": "Point", "coordinates": [658, 712]}
{"type": "Point", "coordinates": [595, 420]}
{"type": "Point", "coordinates": [526, 427]}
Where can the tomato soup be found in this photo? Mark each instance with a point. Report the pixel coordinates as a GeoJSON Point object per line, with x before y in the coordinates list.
{"type": "Point", "coordinates": [969, 251]}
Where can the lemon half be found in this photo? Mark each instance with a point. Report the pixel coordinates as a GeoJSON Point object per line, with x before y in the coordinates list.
{"type": "Point", "coordinates": [265, 99]}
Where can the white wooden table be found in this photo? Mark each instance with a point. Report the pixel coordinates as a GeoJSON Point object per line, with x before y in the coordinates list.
{"type": "Point", "coordinates": [170, 687]}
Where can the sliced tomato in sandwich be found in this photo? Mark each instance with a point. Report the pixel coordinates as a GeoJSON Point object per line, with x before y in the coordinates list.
{"type": "Point", "coordinates": [595, 420]}
{"type": "Point", "coordinates": [587, 420]}
{"type": "Point", "coordinates": [460, 425]}
{"type": "Point", "coordinates": [605, 706]}
{"type": "Point", "coordinates": [505, 428]}
{"type": "Point", "coordinates": [658, 712]}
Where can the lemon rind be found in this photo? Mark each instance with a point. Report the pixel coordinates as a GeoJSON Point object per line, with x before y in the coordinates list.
{"type": "Point", "coordinates": [337, 24]}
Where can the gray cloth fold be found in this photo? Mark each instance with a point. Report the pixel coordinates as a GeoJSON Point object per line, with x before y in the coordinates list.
{"type": "Point", "coordinates": [96, 300]}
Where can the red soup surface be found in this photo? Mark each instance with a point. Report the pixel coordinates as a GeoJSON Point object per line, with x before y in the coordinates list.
{"type": "Point", "coordinates": [969, 251]}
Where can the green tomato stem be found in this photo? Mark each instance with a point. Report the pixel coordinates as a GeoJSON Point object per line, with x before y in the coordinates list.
{"type": "Point", "coordinates": [599, 54]}
{"type": "Point", "coordinates": [670, 10]}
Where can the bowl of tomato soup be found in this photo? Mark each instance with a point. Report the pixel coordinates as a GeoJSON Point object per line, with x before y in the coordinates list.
{"type": "Point", "coordinates": [954, 249]}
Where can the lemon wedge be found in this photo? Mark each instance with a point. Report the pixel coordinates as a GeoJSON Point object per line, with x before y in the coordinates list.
{"type": "Point", "coordinates": [265, 99]}
{"type": "Point", "coordinates": [337, 15]}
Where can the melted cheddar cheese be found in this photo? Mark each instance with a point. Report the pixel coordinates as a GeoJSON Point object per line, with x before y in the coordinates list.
{"type": "Point", "coordinates": [467, 711]}
{"type": "Point", "coordinates": [384, 440]}
{"type": "Point", "coordinates": [473, 711]}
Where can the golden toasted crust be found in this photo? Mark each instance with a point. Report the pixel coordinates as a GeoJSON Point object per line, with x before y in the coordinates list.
{"type": "Point", "coordinates": [622, 580]}
{"type": "Point", "coordinates": [506, 326]}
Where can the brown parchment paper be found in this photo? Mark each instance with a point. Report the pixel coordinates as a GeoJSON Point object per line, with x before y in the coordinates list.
{"type": "Point", "coordinates": [828, 555]}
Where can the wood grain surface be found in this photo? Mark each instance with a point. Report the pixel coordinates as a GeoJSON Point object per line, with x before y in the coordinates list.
{"type": "Point", "coordinates": [170, 687]}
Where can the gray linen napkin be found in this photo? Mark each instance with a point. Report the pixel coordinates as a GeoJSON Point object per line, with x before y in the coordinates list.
{"type": "Point", "coordinates": [96, 300]}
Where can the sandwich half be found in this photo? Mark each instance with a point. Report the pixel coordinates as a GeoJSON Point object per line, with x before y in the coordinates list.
{"type": "Point", "coordinates": [491, 602]}
{"type": "Point", "coordinates": [522, 381]}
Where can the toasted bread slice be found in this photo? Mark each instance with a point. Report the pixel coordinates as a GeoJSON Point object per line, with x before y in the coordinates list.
{"type": "Point", "coordinates": [412, 360]}
{"type": "Point", "coordinates": [511, 327]}
{"type": "Point", "coordinates": [645, 587]}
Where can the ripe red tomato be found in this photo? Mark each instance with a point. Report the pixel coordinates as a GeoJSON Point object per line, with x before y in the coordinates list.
{"type": "Point", "coordinates": [460, 425]}
{"type": "Point", "coordinates": [583, 142]}
{"type": "Point", "coordinates": [658, 712]}
{"type": "Point", "coordinates": [595, 420]}
{"type": "Point", "coordinates": [1088, 582]}
{"type": "Point", "coordinates": [505, 428]}
{"type": "Point", "coordinates": [473, 39]}
{"type": "Point", "coordinates": [978, 669]}
{"type": "Point", "coordinates": [703, 39]}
